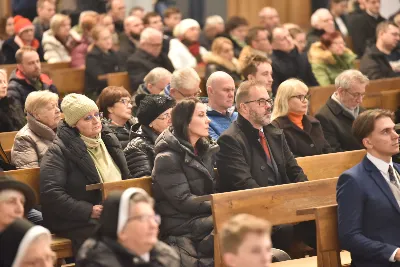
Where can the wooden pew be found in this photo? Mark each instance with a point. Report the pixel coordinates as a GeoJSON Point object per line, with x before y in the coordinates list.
{"type": "Point", "coordinates": [68, 80]}
{"type": "Point", "coordinates": [320, 94]}
{"type": "Point", "coordinates": [7, 140]}
{"type": "Point", "coordinates": [278, 204]}
{"type": "Point", "coordinates": [61, 246]}
{"type": "Point", "coordinates": [118, 79]}
{"type": "Point", "coordinates": [329, 165]}
{"type": "Point", "coordinates": [144, 183]}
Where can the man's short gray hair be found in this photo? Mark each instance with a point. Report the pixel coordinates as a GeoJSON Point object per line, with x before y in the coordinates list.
{"type": "Point", "coordinates": [347, 78]}
{"type": "Point", "coordinates": [156, 74]}
{"type": "Point", "coordinates": [148, 33]}
{"type": "Point", "coordinates": [316, 16]}
{"type": "Point", "coordinates": [213, 20]}
{"type": "Point", "coordinates": [184, 78]}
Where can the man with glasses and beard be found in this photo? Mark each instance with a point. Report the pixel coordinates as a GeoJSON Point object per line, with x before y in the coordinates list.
{"type": "Point", "coordinates": [341, 109]}
{"type": "Point", "coordinates": [253, 153]}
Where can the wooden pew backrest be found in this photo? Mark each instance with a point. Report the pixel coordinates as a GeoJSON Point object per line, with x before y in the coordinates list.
{"type": "Point", "coordinates": [120, 79]}
{"type": "Point", "coordinates": [329, 165]}
{"type": "Point", "coordinates": [68, 80]}
{"type": "Point", "coordinates": [144, 183]}
{"type": "Point", "coordinates": [30, 177]}
{"type": "Point", "coordinates": [7, 139]}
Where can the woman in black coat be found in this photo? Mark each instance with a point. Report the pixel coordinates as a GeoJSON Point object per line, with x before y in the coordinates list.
{"type": "Point", "coordinates": [183, 170]}
{"type": "Point", "coordinates": [154, 115]}
{"type": "Point", "coordinates": [83, 153]}
{"type": "Point", "coordinates": [101, 59]}
{"type": "Point", "coordinates": [11, 116]}
{"type": "Point", "coordinates": [303, 133]}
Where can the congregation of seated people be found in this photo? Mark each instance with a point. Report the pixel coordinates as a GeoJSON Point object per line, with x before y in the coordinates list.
{"type": "Point", "coordinates": [209, 107]}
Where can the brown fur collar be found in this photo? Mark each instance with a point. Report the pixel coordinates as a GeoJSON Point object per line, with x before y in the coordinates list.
{"type": "Point", "coordinates": [318, 54]}
{"type": "Point", "coordinates": [216, 59]}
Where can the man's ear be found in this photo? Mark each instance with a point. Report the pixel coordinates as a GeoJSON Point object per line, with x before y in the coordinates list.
{"type": "Point", "coordinates": [209, 90]}
{"type": "Point", "coordinates": [251, 77]}
{"type": "Point", "coordinates": [367, 143]}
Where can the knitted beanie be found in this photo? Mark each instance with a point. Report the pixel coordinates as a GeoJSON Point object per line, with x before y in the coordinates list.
{"type": "Point", "coordinates": [151, 106]}
{"type": "Point", "coordinates": [76, 106]}
{"type": "Point", "coordinates": [21, 24]}
{"type": "Point", "coordinates": [16, 239]}
{"type": "Point", "coordinates": [185, 25]}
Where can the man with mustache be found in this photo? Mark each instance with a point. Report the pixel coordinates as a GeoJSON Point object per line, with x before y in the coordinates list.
{"type": "Point", "coordinates": [253, 153]}
{"type": "Point", "coordinates": [368, 195]}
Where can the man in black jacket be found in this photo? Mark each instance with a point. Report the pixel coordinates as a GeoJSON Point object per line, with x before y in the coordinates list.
{"type": "Point", "coordinates": [382, 60]}
{"type": "Point", "coordinates": [287, 62]}
{"type": "Point", "coordinates": [253, 153]}
{"type": "Point", "coordinates": [341, 109]}
{"type": "Point", "coordinates": [129, 39]}
{"type": "Point", "coordinates": [147, 57]}
{"type": "Point", "coordinates": [28, 77]}
{"type": "Point", "coordinates": [362, 26]}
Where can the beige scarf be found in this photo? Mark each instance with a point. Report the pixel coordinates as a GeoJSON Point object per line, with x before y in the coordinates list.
{"type": "Point", "coordinates": [105, 165]}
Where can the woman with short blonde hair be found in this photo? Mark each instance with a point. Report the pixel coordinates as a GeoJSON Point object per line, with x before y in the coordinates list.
{"type": "Point", "coordinates": [33, 140]}
{"type": "Point", "coordinates": [303, 133]}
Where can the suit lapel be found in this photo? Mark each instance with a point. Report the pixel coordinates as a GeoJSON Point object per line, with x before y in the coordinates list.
{"type": "Point", "coordinates": [376, 175]}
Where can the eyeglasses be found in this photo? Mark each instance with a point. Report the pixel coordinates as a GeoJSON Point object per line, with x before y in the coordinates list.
{"type": "Point", "coordinates": [165, 116]}
{"type": "Point", "coordinates": [356, 95]}
{"type": "Point", "coordinates": [126, 102]}
{"type": "Point", "coordinates": [302, 98]}
{"type": "Point", "coordinates": [145, 218]}
{"type": "Point", "coordinates": [97, 115]}
{"type": "Point", "coordinates": [197, 94]}
{"type": "Point", "coordinates": [262, 102]}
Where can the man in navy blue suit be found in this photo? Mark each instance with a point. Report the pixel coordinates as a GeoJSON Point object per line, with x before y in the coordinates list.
{"type": "Point", "coordinates": [368, 195]}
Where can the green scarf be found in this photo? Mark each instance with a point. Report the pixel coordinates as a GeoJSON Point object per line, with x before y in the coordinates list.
{"type": "Point", "coordinates": [105, 165]}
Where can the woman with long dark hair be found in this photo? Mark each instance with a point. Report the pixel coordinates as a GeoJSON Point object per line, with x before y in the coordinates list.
{"type": "Point", "coordinates": [183, 170]}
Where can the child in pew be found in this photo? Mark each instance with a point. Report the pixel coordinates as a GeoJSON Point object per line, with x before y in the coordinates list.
{"type": "Point", "coordinates": [23, 244]}
{"type": "Point", "coordinates": [246, 241]}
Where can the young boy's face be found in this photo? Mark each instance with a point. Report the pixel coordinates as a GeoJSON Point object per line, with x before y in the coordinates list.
{"type": "Point", "coordinates": [255, 251]}
{"type": "Point", "coordinates": [173, 20]}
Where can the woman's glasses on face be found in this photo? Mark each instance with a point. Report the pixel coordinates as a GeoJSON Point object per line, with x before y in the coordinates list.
{"type": "Point", "coordinates": [302, 98]}
{"type": "Point", "coordinates": [97, 115]}
{"type": "Point", "coordinates": [126, 102]}
{"type": "Point", "coordinates": [165, 116]}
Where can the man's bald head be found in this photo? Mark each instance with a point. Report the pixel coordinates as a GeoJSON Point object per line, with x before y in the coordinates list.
{"type": "Point", "coordinates": [221, 91]}
{"type": "Point", "coordinates": [269, 18]}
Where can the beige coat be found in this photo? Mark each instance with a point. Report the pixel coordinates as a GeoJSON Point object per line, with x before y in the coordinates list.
{"type": "Point", "coordinates": [31, 143]}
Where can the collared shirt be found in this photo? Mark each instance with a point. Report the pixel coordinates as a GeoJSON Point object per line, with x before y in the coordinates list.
{"type": "Point", "coordinates": [354, 112]}
{"type": "Point", "coordinates": [342, 27]}
{"type": "Point", "coordinates": [146, 257]}
{"type": "Point", "coordinates": [383, 167]}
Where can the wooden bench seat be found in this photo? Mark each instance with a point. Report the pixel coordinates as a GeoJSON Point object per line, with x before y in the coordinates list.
{"type": "Point", "coordinates": [312, 261]}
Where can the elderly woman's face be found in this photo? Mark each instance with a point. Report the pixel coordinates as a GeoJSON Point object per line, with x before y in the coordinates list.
{"type": "Point", "coordinates": [49, 115]}
{"type": "Point", "coordinates": [122, 109]}
{"type": "Point", "coordinates": [298, 102]}
{"type": "Point", "coordinates": [192, 34]}
{"type": "Point", "coordinates": [90, 124]}
{"type": "Point", "coordinates": [338, 46]}
{"type": "Point", "coordinates": [162, 122]}
{"type": "Point", "coordinates": [227, 51]}
{"type": "Point", "coordinates": [11, 207]}
{"type": "Point", "coordinates": [198, 126]}
{"type": "Point", "coordinates": [3, 86]}
{"type": "Point", "coordinates": [64, 29]}
{"type": "Point", "coordinates": [39, 253]}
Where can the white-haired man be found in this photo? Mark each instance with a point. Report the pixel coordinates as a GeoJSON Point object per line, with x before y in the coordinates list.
{"type": "Point", "coordinates": [221, 96]}
{"type": "Point", "coordinates": [269, 18]}
{"type": "Point", "coordinates": [321, 22]}
{"type": "Point", "coordinates": [185, 83]}
{"type": "Point", "coordinates": [129, 39]}
{"type": "Point", "coordinates": [214, 26]}
{"type": "Point", "coordinates": [341, 109]}
{"type": "Point", "coordinates": [147, 57]}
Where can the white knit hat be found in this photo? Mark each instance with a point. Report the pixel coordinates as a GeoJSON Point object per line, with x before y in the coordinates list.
{"type": "Point", "coordinates": [76, 106]}
{"type": "Point", "coordinates": [185, 25]}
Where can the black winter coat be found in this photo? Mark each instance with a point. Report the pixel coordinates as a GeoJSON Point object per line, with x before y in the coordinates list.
{"type": "Point", "coordinates": [10, 47]}
{"type": "Point", "coordinates": [65, 170]}
{"type": "Point", "coordinates": [139, 153]}
{"type": "Point", "coordinates": [336, 124]}
{"type": "Point", "coordinates": [11, 116]}
{"type": "Point", "coordinates": [304, 142]}
{"type": "Point", "coordinates": [19, 87]}
{"type": "Point", "coordinates": [98, 63]}
{"type": "Point", "coordinates": [241, 161]}
{"type": "Point", "coordinates": [141, 63]}
{"type": "Point", "coordinates": [121, 132]}
{"type": "Point", "coordinates": [126, 46]}
{"type": "Point", "coordinates": [178, 177]}
{"type": "Point", "coordinates": [291, 65]}
{"type": "Point", "coordinates": [362, 29]}
{"type": "Point", "coordinates": [375, 65]}
{"type": "Point", "coordinates": [105, 252]}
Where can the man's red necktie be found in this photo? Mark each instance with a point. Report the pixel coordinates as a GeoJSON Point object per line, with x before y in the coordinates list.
{"type": "Point", "coordinates": [264, 144]}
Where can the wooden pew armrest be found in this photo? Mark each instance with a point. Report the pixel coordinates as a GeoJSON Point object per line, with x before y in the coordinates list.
{"type": "Point", "coordinates": [91, 187]}
{"type": "Point", "coordinates": [308, 211]}
{"type": "Point", "coordinates": [102, 77]}
{"type": "Point", "coordinates": [202, 198]}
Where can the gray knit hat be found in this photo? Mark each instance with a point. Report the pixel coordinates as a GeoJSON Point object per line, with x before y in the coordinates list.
{"type": "Point", "coordinates": [76, 106]}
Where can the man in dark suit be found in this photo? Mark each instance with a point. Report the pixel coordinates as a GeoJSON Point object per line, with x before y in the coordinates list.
{"type": "Point", "coordinates": [362, 26]}
{"type": "Point", "coordinates": [338, 10]}
{"type": "Point", "coordinates": [368, 195]}
{"type": "Point", "coordinates": [337, 115]}
{"type": "Point", "coordinates": [253, 153]}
